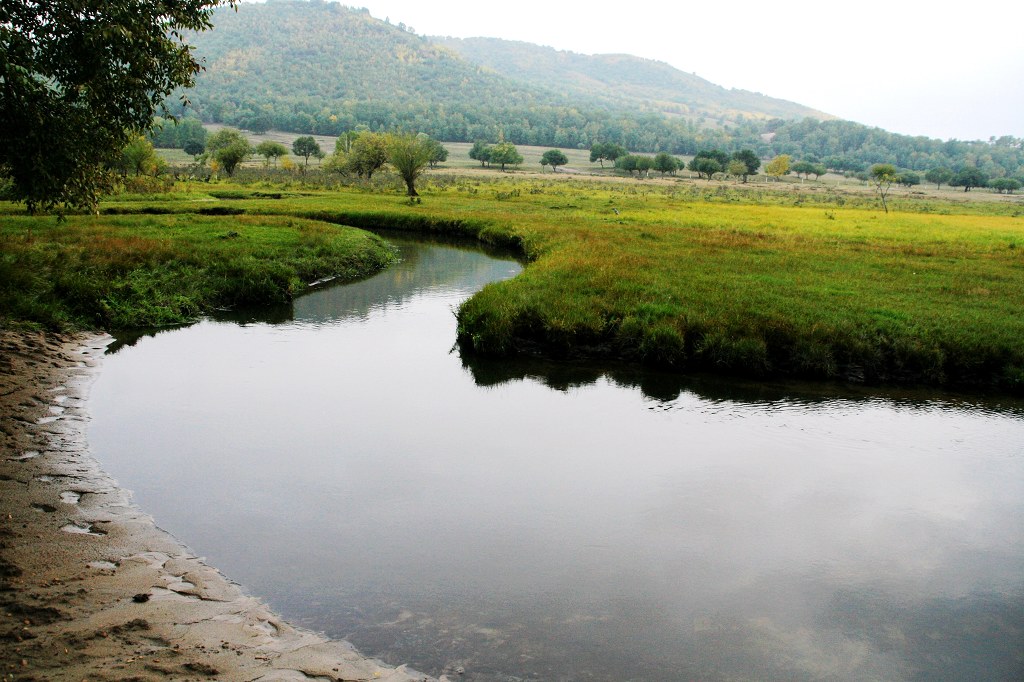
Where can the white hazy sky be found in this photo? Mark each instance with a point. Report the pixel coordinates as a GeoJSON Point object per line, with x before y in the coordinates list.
{"type": "Point", "coordinates": [937, 68]}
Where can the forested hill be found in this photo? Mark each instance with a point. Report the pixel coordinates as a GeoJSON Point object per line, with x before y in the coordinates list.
{"type": "Point", "coordinates": [625, 81]}
{"type": "Point", "coordinates": [323, 67]}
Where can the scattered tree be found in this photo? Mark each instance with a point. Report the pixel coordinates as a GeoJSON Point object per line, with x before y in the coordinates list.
{"type": "Point", "coordinates": [737, 169]}
{"type": "Point", "coordinates": [438, 152]}
{"type": "Point", "coordinates": [939, 176]}
{"type": "Point", "coordinates": [228, 147]}
{"type": "Point", "coordinates": [908, 179]}
{"type": "Point", "coordinates": [665, 163]}
{"type": "Point", "coordinates": [1005, 185]}
{"type": "Point", "coordinates": [554, 158]}
{"type": "Point", "coordinates": [505, 154]}
{"type": "Point", "coordinates": [606, 151]}
{"type": "Point", "coordinates": [882, 176]}
{"type": "Point", "coordinates": [626, 163]}
{"type": "Point", "coordinates": [79, 81]}
{"type": "Point", "coordinates": [306, 147]}
{"type": "Point", "coordinates": [368, 154]}
{"type": "Point", "coordinates": [644, 164]}
{"type": "Point", "coordinates": [194, 148]}
{"type": "Point", "coordinates": [410, 154]}
{"type": "Point", "coordinates": [705, 167]}
{"type": "Point", "coordinates": [778, 166]}
{"type": "Point", "coordinates": [139, 157]}
{"type": "Point", "coordinates": [481, 151]}
{"type": "Point", "coordinates": [271, 150]}
{"type": "Point", "coordinates": [968, 178]}
{"type": "Point", "coordinates": [749, 160]}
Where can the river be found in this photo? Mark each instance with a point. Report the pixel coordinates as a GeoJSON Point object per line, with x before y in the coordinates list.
{"type": "Point", "coordinates": [533, 521]}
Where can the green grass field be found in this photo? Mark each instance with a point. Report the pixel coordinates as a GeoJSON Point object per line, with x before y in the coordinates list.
{"type": "Point", "coordinates": [689, 276]}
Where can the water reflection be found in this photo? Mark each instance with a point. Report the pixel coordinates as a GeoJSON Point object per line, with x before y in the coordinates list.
{"type": "Point", "coordinates": [451, 512]}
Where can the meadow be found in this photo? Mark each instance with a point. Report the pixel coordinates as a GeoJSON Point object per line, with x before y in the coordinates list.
{"type": "Point", "coordinates": [691, 276]}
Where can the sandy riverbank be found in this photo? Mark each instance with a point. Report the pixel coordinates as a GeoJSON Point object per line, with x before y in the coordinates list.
{"type": "Point", "coordinates": [90, 588]}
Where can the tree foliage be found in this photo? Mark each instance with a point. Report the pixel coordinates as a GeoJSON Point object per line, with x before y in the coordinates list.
{"type": "Point", "coordinates": [606, 151]}
{"type": "Point", "coordinates": [882, 176]}
{"type": "Point", "coordinates": [705, 166]}
{"type": "Point", "coordinates": [969, 178]}
{"type": "Point", "coordinates": [410, 155]}
{"type": "Point", "coordinates": [665, 163]}
{"type": "Point", "coordinates": [750, 161]}
{"type": "Point", "coordinates": [305, 146]}
{"type": "Point", "coordinates": [554, 158]}
{"type": "Point", "coordinates": [1005, 185]}
{"type": "Point", "coordinates": [368, 154]}
{"type": "Point", "coordinates": [505, 154]}
{"type": "Point", "coordinates": [939, 176]}
{"type": "Point", "coordinates": [269, 149]}
{"type": "Point", "coordinates": [79, 80]}
{"type": "Point", "coordinates": [778, 166]}
{"type": "Point", "coordinates": [228, 147]}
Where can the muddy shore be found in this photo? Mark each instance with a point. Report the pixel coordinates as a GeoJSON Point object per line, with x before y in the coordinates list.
{"type": "Point", "coordinates": [90, 587]}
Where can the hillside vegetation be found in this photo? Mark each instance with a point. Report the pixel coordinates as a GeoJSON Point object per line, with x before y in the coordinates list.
{"type": "Point", "coordinates": [323, 68]}
{"type": "Point", "coordinates": [624, 81]}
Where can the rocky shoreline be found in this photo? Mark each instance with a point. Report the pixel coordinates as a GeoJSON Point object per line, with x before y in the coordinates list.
{"type": "Point", "coordinates": [90, 587]}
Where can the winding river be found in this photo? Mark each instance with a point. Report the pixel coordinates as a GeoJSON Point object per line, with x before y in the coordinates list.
{"type": "Point", "coordinates": [524, 521]}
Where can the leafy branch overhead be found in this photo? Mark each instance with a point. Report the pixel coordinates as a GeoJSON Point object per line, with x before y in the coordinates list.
{"type": "Point", "coordinates": [79, 81]}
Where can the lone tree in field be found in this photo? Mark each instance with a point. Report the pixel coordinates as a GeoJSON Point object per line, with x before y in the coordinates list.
{"type": "Point", "coordinates": [410, 155]}
{"type": "Point", "coordinates": [554, 158]}
{"type": "Point", "coordinates": [306, 147]}
{"type": "Point", "coordinates": [882, 176]}
{"type": "Point", "coordinates": [228, 147]}
{"type": "Point", "coordinates": [78, 81]}
{"type": "Point", "coordinates": [271, 150]}
{"type": "Point", "coordinates": [1005, 185]}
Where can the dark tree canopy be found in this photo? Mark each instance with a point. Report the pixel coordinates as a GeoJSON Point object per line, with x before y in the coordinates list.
{"type": "Point", "coordinates": [505, 154]}
{"type": "Point", "coordinates": [750, 161]}
{"type": "Point", "coordinates": [665, 163]}
{"type": "Point", "coordinates": [554, 158]}
{"type": "Point", "coordinates": [78, 80]}
{"type": "Point", "coordinates": [306, 147]}
{"type": "Point", "coordinates": [968, 178]}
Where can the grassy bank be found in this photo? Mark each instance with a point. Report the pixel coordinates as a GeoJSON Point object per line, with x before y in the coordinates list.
{"type": "Point", "coordinates": [680, 275]}
{"type": "Point", "coordinates": [120, 272]}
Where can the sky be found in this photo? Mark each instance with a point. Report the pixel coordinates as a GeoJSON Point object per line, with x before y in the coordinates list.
{"type": "Point", "coordinates": [938, 68]}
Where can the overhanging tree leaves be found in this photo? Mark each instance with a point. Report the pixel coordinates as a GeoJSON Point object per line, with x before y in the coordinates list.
{"type": "Point", "coordinates": [78, 80]}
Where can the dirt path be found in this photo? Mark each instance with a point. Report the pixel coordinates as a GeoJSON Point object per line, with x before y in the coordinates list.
{"type": "Point", "coordinates": [90, 588]}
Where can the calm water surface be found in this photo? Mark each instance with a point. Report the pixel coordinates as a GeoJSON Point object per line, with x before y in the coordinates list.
{"type": "Point", "coordinates": [526, 522]}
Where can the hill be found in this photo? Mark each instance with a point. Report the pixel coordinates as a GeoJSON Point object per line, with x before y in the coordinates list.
{"type": "Point", "coordinates": [622, 80]}
{"type": "Point", "coordinates": [322, 68]}
{"type": "Point", "coordinates": [325, 68]}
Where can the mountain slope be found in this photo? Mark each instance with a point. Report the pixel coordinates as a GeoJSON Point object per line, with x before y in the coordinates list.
{"type": "Point", "coordinates": [321, 67]}
{"type": "Point", "coordinates": [624, 80]}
